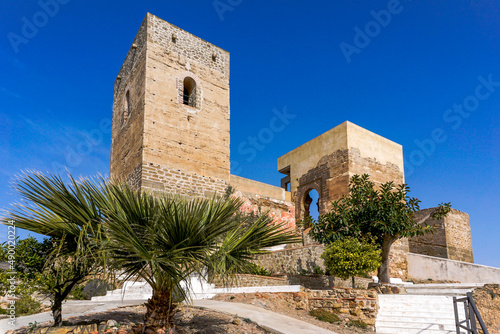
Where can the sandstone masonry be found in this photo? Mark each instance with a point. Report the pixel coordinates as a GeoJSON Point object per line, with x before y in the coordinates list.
{"type": "Point", "coordinates": [170, 133]}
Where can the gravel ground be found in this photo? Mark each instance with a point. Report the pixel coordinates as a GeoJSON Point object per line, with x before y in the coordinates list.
{"type": "Point", "coordinates": [189, 320]}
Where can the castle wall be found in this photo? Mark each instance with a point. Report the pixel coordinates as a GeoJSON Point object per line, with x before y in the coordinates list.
{"type": "Point", "coordinates": [259, 198]}
{"type": "Point", "coordinates": [451, 238]}
{"type": "Point", "coordinates": [327, 162]}
{"type": "Point", "coordinates": [127, 136]}
{"type": "Point", "coordinates": [194, 140]}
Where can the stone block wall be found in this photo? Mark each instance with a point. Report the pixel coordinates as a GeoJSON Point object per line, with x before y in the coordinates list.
{"type": "Point", "coordinates": [349, 304]}
{"type": "Point", "coordinates": [245, 280]}
{"type": "Point", "coordinates": [292, 260]}
{"type": "Point", "coordinates": [451, 239]}
{"type": "Point", "coordinates": [128, 115]}
{"type": "Point", "coordinates": [358, 304]}
{"type": "Point", "coordinates": [487, 300]}
{"type": "Point", "coordinates": [158, 177]}
{"type": "Point", "coordinates": [192, 139]}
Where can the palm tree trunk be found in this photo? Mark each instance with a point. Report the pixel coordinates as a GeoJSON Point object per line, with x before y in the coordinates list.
{"type": "Point", "coordinates": [160, 311]}
{"type": "Point", "coordinates": [383, 271]}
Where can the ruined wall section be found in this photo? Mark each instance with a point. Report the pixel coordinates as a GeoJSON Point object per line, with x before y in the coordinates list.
{"type": "Point", "coordinates": [259, 198]}
{"type": "Point", "coordinates": [432, 244]}
{"type": "Point", "coordinates": [127, 129]}
{"type": "Point", "coordinates": [458, 236]}
{"type": "Point", "coordinates": [188, 145]}
{"type": "Point", "coordinates": [451, 239]}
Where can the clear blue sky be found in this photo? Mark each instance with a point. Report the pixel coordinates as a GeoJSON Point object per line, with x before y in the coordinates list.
{"type": "Point", "coordinates": [404, 77]}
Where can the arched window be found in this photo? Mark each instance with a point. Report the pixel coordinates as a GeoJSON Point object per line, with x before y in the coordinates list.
{"type": "Point", "coordinates": [311, 204]}
{"type": "Point", "coordinates": [189, 93]}
{"type": "Point", "coordinates": [126, 110]}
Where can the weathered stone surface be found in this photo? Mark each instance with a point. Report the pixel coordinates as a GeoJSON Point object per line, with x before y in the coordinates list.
{"type": "Point", "coordinates": [451, 239]}
{"type": "Point", "coordinates": [487, 300]}
{"type": "Point", "coordinates": [327, 162]}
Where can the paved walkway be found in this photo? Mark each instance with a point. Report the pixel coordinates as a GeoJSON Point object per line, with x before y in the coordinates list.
{"type": "Point", "coordinates": [267, 319]}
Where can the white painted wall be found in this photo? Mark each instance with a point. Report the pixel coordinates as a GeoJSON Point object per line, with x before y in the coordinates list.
{"type": "Point", "coordinates": [424, 267]}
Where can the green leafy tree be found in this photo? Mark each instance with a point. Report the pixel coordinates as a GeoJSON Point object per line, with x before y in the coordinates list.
{"type": "Point", "coordinates": [386, 213]}
{"type": "Point", "coordinates": [70, 216]}
{"type": "Point", "coordinates": [165, 239]}
{"type": "Point", "coordinates": [351, 257]}
{"type": "Point", "coordinates": [31, 255]}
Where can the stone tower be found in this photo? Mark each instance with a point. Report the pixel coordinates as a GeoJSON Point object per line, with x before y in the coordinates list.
{"type": "Point", "coordinates": [327, 162]}
{"type": "Point", "coordinates": [171, 112]}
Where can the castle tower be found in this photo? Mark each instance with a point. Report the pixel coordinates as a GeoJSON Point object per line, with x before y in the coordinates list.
{"type": "Point", "coordinates": [327, 162]}
{"type": "Point", "coordinates": [171, 112]}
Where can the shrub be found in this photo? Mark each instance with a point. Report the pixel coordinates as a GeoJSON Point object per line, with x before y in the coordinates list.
{"type": "Point", "coordinates": [26, 305]}
{"type": "Point", "coordinates": [96, 287]}
{"type": "Point", "coordinates": [77, 292]}
{"type": "Point", "coordinates": [317, 270]}
{"type": "Point", "coordinates": [325, 316]}
{"type": "Point", "coordinates": [350, 256]}
{"type": "Point", "coordinates": [256, 269]}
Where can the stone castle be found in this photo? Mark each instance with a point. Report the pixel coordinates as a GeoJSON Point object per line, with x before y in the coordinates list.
{"type": "Point", "coordinates": [171, 123]}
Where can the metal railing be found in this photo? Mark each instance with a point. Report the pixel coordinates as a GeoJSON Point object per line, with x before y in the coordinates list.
{"type": "Point", "coordinates": [471, 315]}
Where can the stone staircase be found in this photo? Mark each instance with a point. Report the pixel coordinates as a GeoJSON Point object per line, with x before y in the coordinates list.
{"type": "Point", "coordinates": [426, 308]}
{"type": "Point", "coordinates": [198, 289]}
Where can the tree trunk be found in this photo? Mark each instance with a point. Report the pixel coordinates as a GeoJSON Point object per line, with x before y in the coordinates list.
{"type": "Point", "coordinates": [57, 309]}
{"type": "Point", "coordinates": [353, 281]}
{"type": "Point", "coordinates": [160, 311]}
{"type": "Point", "coordinates": [383, 271]}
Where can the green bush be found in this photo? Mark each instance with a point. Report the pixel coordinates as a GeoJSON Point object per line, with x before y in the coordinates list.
{"type": "Point", "coordinates": [26, 305]}
{"type": "Point", "coordinates": [256, 269]}
{"type": "Point", "coordinates": [351, 257]}
{"type": "Point", "coordinates": [96, 287]}
{"type": "Point", "coordinates": [325, 316]}
{"type": "Point", "coordinates": [77, 292]}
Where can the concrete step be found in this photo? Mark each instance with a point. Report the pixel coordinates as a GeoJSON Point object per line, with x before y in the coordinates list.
{"type": "Point", "coordinates": [452, 289]}
{"type": "Point", "coordinates": [430, 318]}
{"type": "Point", "coordinates": [409, 330]}
{"type": "Point", "coordinates": [408, 314]}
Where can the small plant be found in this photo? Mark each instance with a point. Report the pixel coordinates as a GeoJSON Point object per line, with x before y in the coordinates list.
{"type": "Point", "coordinates": [232, 297]}
{"type": "Point", "coordinates": [32, 326]}
{"type": "Point", "coordinates": [325, 316]}
{"type": "Point", "coordinates": [317, 270]}
{"type": "Point", "coordinates": [247, 320]}
{"type": "Point", "coordinates": [256, 269]}
{"type": "Point", "coordinates": [27, 305]}
{"type": "Point", "coordinates": [304, 272]}
{"type": "Point", "coordinates": [77, 292]}
{"type": "Point", "coordinates": [305, 223]}
{"type": "Point", "coordinates": [357, 323]}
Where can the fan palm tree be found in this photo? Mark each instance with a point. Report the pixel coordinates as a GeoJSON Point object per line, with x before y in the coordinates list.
{"type": "Point", "coordinates": [69, 214]}
{"type": "Point", "coordinates": [164, 239]}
